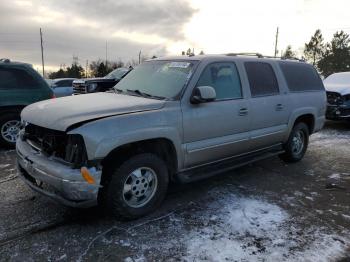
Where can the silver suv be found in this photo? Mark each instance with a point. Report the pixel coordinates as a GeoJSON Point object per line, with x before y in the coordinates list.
{"type": "Point", "coordinates": [170, 119]}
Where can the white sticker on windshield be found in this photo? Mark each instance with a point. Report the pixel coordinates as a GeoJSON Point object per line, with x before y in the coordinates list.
{"type": "Point", "coordinates": [179, 64]}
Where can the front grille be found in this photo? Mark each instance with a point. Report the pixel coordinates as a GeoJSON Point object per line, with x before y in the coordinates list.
{"type": "Point", "coordinates": [334, 98]}
{"type": "Point", "coordinates": [79, 88]}
{"type": "Point", "coordinates": [69, 148]}
{"type": "Point", "coordinates": [46, 140]}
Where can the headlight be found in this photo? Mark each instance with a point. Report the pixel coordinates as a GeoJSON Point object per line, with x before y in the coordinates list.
{"type": "Point", "coordinates": [91, 87]}
{"type": "Point", "coordinates": [75, 151]}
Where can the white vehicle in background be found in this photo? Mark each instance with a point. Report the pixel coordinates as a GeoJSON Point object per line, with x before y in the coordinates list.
{"type": "Point", "coordinates": [61, 86]}
{"type": "Point", "coordinates": [338, 96]}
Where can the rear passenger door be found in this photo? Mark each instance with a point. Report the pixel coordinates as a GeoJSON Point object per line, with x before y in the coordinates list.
{"type": "Point", "coordinates": [268, 106]}
{"type": "Point", "coordinates": [218, 129]}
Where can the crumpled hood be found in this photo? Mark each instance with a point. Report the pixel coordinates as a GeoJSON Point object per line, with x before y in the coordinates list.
{"type": "Point", "coordinates": [59, 114]}
{"type": "Point", "coordinates": [342, 88]}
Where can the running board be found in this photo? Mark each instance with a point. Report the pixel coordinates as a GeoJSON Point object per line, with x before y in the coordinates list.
{"type": "Point", "coordinates": [213, 169]}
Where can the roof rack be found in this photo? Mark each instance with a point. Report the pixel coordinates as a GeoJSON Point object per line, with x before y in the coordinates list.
{"type": "Point", "coordinates": [264, 56]}
{"type": "Point", "coordinates": [245, 54]}
{"type": "Point", "coordinates": [5, 60]}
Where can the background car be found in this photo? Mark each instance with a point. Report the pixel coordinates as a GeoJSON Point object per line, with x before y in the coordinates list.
{"type": "Point", "coordinates": [338, 96]}
{"type": "Point", "coordinates": [100, 84]}
{"type": "Point", "coordinates": [62, 86]}
{"type": "Point", "coordinates": [20, 85]}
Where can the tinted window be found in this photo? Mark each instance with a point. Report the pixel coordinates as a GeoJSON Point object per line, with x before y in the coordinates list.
{"type": "Point", "coordinates": [301, 76]}
{"type": "Point", "coordinates": [11, 78]}
{"type": "Point", "coordinates": [262, 79]}
{"type": "Point", "coordinates": [224, 78]}
{"type": "Point", "coordinates": [64, 83]}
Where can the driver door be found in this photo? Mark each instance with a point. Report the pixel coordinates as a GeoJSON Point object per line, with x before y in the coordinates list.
{"type": "Point", "coordinates": [219, 129]}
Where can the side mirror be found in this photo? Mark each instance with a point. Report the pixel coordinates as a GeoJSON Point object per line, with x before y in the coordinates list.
{"type": "Point", "coordinates": [203, 94]}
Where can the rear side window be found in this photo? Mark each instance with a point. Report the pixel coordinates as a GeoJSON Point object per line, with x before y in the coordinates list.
{"type": "Point", "coordinates": [13, 78]}
{"type": "Point", "coordinates": [262, 79]}
{"type": "Point", "coordinates": [224, 78]}
{"type": "Point", "coordinates": [301, 77]}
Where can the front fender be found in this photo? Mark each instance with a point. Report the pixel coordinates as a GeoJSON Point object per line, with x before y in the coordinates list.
{"type": "Point", "coordinates": [104, 135]}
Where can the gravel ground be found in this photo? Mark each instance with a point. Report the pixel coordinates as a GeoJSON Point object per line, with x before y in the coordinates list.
{"type": "Point", "coordinates": [265, 211]}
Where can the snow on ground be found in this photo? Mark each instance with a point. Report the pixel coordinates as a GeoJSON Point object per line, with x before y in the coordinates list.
{"type": "Point", "coordinates": [232, 227]}
{"type": "Point", "coordinates": [331, 138]}
{"type": "Point", "coordinates": [251, 229]}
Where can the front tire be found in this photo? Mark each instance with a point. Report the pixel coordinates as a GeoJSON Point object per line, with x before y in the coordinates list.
{"type": "Point", "coordinates": [10, 125]}
{"type": "Point", "coordinates": [137, 187]}
{"type": "Point", "coordinates": [297, 144]}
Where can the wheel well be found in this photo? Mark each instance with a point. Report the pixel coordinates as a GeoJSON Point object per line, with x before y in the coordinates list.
{"type": "Point", "coordinates": [309, 120]}
{"type": "Point", "coordinates": [161, 147]}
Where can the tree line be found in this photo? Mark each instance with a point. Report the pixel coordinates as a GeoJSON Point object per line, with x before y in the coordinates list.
{"type": "Point", "coordinates": [327, 57]}
{"type": "Point", "coordinates": [98, 68]}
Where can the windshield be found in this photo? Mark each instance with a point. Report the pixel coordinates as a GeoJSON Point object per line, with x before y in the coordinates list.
{"type": "Point", "coordinates": [157, 78]}
{"type": "Point", "coordinates": [117, 73]}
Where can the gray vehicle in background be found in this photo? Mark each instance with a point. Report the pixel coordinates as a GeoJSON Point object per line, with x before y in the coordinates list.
{"type": "Point", "coordinates": [62, 86]}
{"type": "Point", "coordinates": [170, 119]}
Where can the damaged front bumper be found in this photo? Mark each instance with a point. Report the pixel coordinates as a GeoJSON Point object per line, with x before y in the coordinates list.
{"type": "Point", "coordinates": [56, 180]}
{"type": "Point", "coordinates": [338, 112]}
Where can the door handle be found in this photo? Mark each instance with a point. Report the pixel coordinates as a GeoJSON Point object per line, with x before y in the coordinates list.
{"type": "Point", "coordinates": [279, 107]}
{"type": "Point", "coordinates": [243, 111]}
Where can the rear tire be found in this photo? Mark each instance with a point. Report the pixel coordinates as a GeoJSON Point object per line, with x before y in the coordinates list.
{"type": "Point", "coordinates": [10, 124]}
{"type": "Point", "coordinates": [137, 187]}
{"type": "Point", "coordinates": [297, 144]}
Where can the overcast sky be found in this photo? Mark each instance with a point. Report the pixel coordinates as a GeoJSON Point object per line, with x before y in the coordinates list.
{"type": "Point", "coordinates": [160, 27]}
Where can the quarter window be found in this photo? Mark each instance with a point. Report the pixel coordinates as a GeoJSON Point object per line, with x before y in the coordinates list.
{"type": "Point", "coordinates": [224, 78]}
{"type": "Point", "coordinates": [301, 76]}
{"type": "Point", "coordinates": [262, 79]}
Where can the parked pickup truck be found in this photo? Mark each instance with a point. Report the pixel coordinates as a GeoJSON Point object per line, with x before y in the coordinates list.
{"type": "Point", "coordinates": [338, 96]}
{"type": "Point", "coordinates": [99, 84]}
{"type": "Point", "coordinates": [170, 119]}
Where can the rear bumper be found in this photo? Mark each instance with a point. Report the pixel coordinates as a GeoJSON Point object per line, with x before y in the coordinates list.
{"type": "Point", "coordinates": [338, 112]}
{"type": "Point", "coordinates": [56, 180]}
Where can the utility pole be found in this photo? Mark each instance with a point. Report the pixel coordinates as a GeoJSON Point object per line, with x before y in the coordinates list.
{"type": "Point", "coordinates": [86, 69]}
{"type": "Point", "coordinates": [276, 42]}
{"type": "Point", "coordinates": [140, 57]}
{"type": "Point", "coordinates": [106, 54]}
{"type": "Point", "coordinates": [42, 52]}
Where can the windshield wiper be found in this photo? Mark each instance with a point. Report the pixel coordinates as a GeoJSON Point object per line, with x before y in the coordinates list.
{"type": "Point", "coordinates": [143, 94]}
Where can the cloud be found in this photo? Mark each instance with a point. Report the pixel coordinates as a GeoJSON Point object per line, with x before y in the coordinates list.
{"type": "Point", "coordinates": [82, 27]}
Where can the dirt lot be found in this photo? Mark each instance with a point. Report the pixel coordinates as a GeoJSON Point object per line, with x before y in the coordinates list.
{"type": "Point", "coordinates": [265, 211]}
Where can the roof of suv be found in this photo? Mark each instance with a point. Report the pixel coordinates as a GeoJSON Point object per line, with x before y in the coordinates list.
{"type": "Point", "coordinates": [254, 57]}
